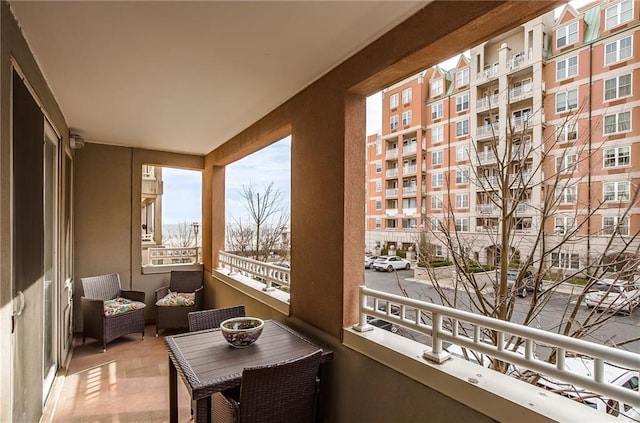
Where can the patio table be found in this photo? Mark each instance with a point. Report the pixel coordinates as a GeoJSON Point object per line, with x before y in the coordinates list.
{"type": "Point", "coordinates": [208, 364]}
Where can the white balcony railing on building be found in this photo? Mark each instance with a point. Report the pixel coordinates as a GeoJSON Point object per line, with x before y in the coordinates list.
{"type": "Point", "coordinates": [487, 182]}
{"type": "Point", "coordinates": [409, 169]}
{"type": "Point", "coordinates": [443, 324]}
{"type": "Point", "coordinates": [487, 103]}
{"type": "Point", "coordinates": [518, 93]}
{"type": "Point", "coordinates": [488, 72]}
{"type": "Point", "coordinates": [412, 190]}
{"type": "Point", "coordinates": [269, 274]}
{"type": "Point", "coordinates": [410, 211]}
{"type": "Point", "coordinates": [520, 179]}
{"type": "Point", "coordinates": [487, 157]}
{"type": "Point", "coordinates": [392, 212]}
{"type": "Point", "coordinates": [392, 172]}
{"type": "Point", "coordinates": [392, 153]}
{"type": "Point", "coordinates": [172, 255]}
{"type": "Point", "coordinates": [520, 123]}
{"type": "Point", "coordinates": [486, 208]}
{"type": "Point", "coordinates": [487, 131]}
{"type": "Point", "coordinates": [391, 192]}
{"type": "Point", "coordinates": [516, 61]}
{"type": "Point", "coordinates": [409, 149]}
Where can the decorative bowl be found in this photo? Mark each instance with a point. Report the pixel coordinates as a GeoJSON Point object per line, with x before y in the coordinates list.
{"type": "Point", "coordinates": [240, 332]}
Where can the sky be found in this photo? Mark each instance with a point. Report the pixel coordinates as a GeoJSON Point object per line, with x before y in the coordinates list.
{"type": "Point", "coordinates": [182, 198]}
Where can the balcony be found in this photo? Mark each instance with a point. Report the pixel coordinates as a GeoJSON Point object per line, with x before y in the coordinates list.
{"type": "Point", "coordinates": [486, 183]}
{"type": "Point", "coordinates": [410, 211]}
{"type": "Point", "coordinates": [392, 173]}
{"type": "Point", "coordinates": [487, 157]}
{"type": "Point", "coordinates": [391, 153]}
{"type": "Point", "coordinates": [516, 61]}
{"type": "Point", "coordinates": [486, 208]}
{"type": "Point", "coordinates": [410, 169]}
{"type": "Point", "coordinates": [522, 123]}
{"type": "Point", "coordinates": [520, 93]}
{"type": "Point", "coordinates": [487, 131]}
{"type": "Point", "coordinates": [409, 149]}
{"type": "Point", "coordinates": [411, 190]}
{"type": "Point", "coordinates": [391, 192]}
{"type": "Point", "coordinates": [487, 74]}
{"type": "Point", "coordinates": [392, 212]}
{"type": "Point", "coordinates": [486, 103]}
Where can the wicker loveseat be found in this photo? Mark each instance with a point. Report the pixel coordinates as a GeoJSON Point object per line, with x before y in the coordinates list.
{"type": "Point", "coordinates": [108, 312]}
{"type": "Point", "coordinates": [174, 302]}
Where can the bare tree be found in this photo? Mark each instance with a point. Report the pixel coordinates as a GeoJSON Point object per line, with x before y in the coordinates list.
{"type": "Point", "coordinates": [182, 237]}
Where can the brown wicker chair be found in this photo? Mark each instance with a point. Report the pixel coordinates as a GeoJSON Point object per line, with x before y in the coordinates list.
{"type": "Point", "coordinates": [283, 392]}
{"type": "Point", "coordinates": [210, 319]}
{"type": "Point", "coordinates": [106, 328]}
{"type": "Point", "coordinates": [183, 281]}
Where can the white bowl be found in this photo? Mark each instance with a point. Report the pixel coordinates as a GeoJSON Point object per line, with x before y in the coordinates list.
{"type": "Point", "coordinates": [240, 332]}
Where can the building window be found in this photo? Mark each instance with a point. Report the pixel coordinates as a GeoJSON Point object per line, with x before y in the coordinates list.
{"type": "Point", "coordinates": [437, 87]}
{"type": "Point", "coordinates": [462, 102]}
{"type": "Point", "coordinates": [393, 123]}
{"type": "Point", "coordinates": [436, 111]}
{"type": "Point", "coordinates": [615, 224]}
{"type": "Point", "coordinates": [616, 191]}
{"type": "Point", "coordinates": [438, 251]}
{"type": "Point", "coordinates": [378, 186]}
{"type": "Point", "coordinates": [617, 87]}
{"type": "Point", "coordinates": [567, 68]}
{"type": "Point", "coordinates": [437, 157]}
{"type": "Point", "coordinates": [616, 123]}
{"type": "Point", "coordinates": [462, 201]}
{"type": "Point", "coordinates": [379, 147]}
{"type": "Point", "coordinates": [437, 134]}
{"type": "Point", "coordinates": [566, 163]}
{"type": "Point", "coordinates": [619, 156]}
{"type": "Point", "coordinates": [618, 14]}
{"type": "Point", "coordinates": [378, 167]}
{"type": "Point", "coordinates": [435, 224]}
{"type": "Point", "coordinates": [436, 201]}
{"type": "Point", "coordinates": [567, 35]}
{"type": "Point", "coordinates": [566, 100]}
{"type": "Point", "coordinates": [617, 50]}
{"type": "Point", "coordinates": [462, 224]}
{"type": "Point", "coordinates": [407, 96]}
{"type": "Point", "coordinates": [564, 225]}
{"type": "Point", "coordinates": [408, 223]}
{"type": "Point", "coordinates": [462, 153]}
{"type": "Point", "coordinates": [462, 128]}
{"type": "Point", "coordinates": [392, 224]}
{"type": "Point", "coordinates": [567, 132]}
{"type": "Point", "coordinates": [462, 176]}
{"type": "Point", "coordinates": [378, 204]}
{"type": "Point", "coordinates": [565, 260]}
{"type": "Point", "coordinates": [462, 77]}
{"type": "Point", "coordinates": [406, 118]}
{"type": "Point", "coordinates": [566, 195]}
{"type": "Point", "coordinates": [378, 223]}
{"type": "Point", "coordinates": [393, 101]}
{"type": "Point", "coordinates": [437, 180]}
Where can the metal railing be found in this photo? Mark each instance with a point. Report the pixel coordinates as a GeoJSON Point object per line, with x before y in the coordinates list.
{"type": "Point", "coordinates": [487, 157]}
{"type": "Point", "coordinates": [408, 169]}
{"type": "Point", "coordinates": [391, 153]}
{"type": "Point", "coordinates": [412, 190]}
{"type": "Point", "coordinates": [172, 255]}
{"type": "Point", "coordinates": [486, 131]}
{"type": "Point", "coordinates": [392, 172]}
{"type": "Point", "coordinates": [520, 92]}
{"type": "Point", "coordinates": [411, 148]}
{"type": "Point", "coordinates": [443, 324]}
{"type": "Point", "coordinates": [391, 192]}
{"type": "Point", "coordinates": [487, 102]}
{"type": "Point", "coordinates": [267, 273]}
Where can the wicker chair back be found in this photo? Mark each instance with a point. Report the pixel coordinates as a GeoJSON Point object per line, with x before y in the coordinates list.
{"type": "Point", "coordinates": [103, 287]}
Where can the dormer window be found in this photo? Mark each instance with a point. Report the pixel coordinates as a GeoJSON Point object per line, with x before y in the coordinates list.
{"type": "Point", "coordinates": [618, 14]}
{"type": "Point", "coordinates": [437, 87]}
{"type": "Point", "coordinates": [407, 95]}
{"type": "Point", "coordinates": [462, 78]}
{"type": "Point", "coordinates": [567, 35]}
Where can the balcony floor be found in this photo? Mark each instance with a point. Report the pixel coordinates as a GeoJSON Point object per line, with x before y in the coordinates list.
{"type": "Point", "coordinates": [127, 383]}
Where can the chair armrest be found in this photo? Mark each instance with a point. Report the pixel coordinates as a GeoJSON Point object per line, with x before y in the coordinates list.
{"type": "Point", "coordinates": [199, 297]}
{"type": "Point", "coordinates": [162, 292]}
{"type": "Point", "coordinates": [133, 295]}
{"type": "Point", "coordinates": [92, 310]}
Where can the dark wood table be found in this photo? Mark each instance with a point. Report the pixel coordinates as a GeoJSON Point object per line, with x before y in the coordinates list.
{"type": "Point", "coordinates": [208, 364]}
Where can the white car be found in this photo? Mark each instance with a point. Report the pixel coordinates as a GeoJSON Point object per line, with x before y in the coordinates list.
{"type": "Point", "coordinates": [391, 263]}
{"type": "Point", "coordinates": [368, 261]}
{"type": "Point", "coordinates": [613, 295]}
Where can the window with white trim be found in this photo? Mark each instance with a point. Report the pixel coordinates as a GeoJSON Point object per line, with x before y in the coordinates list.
{"type": "Point", "coordinates": [436, 111]}
{"type": "Point", "coordinates": [566, 100]}
{"type": "Point", "coordinates": [616, 191]}
{"type": "Point", "coordinates": [617, 87]}
{"type": "Point", "coordinates": [462, 102]}
{"type": "Point", "coordinates": [462, 176]}
{"type": "Point", "coordinates": [617, 123]}
{"type": "Point", "coordinates": [378, 186]}
{"type": "Point", "coordinates": [393, 101]}
{"type": "Point", "coordinates": [462, 153]}
{"type": "Point", "coordinates": [437, 87]}
{"type": "Point", "coordinates": [436, 201]}
{"type": "Point", "coordinates": [618, 50]}
{"type": "Point", "coordinates": [618, 156]}
{"type": "Point", "coordinates": [462, 128]}
{"type": "Point", "coordinates": [435, 224]}
{"type": "Point", "coordinates": [566, 163]}
{"type": "Point", "coordinates": [437, 134]}
{"type": "Point", "coordinates": [564, 225]}
{"type": "Point", "coordinates": [567, 132]}
{"type": "Point", "coordinates": [462, 77]}
{"type": "Point", "coordinates": [406, 118]}
{"type": "Point", "coordinates": [393, 122]}
{"type": "Point", "coordinates": [567, 35]}
{"type": "Point", "coordinates": [437, 157]}
{"type": "Point", "coordinates": [379, 147]}
{"type": "Point", "coordinates": [378, 167]}
{"type": "Point", "coordinates": [437, 180]}
{"type": "Point", "coordinates": [566, 68]}
{"type": "Point", "coordinates": [618, 14]}
{"type": "Point", "coordinates": [565, 260]}
{"type": "Point", "coordinates": [438, 250]}
{"type": "Point", "coordinates": [462, 224]}
{"type": "Point", "coordinates": [462, 201]}
{"type": "Point", "coordinates": [378, 223]}
{"type": "Point", "coordinates": [566, 195]}
{"type": "Point", "coordinates": [378, 204]}
{"type": "Point", "coordinates": [615, 224]}
{"type": "Point", "coordinates": [407, 95]}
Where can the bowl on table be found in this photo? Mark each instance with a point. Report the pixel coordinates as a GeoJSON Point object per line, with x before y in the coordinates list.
{"type": "Point", "coordinates": [240, 332]}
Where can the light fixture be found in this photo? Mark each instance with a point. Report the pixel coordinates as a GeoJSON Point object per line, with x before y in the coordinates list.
{"type": "Point", "coordinates": [75, 140]}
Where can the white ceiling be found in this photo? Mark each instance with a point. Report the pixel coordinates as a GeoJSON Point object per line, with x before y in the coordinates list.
{"type": "Point", "coordinates": [186, 76]}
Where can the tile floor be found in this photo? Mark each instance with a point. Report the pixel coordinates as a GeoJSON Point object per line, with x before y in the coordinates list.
{"type": "Point", "coordinates": [127, 383]}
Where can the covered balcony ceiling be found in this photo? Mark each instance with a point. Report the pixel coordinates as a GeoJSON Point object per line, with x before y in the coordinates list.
{"type": "Point", "coordinates": [186, 76]}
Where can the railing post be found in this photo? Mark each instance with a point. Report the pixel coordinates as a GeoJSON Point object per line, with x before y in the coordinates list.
{"type": "Point", "coordinates": [362, 325]}
{"type": "Point", "coordinates": [436, 353]}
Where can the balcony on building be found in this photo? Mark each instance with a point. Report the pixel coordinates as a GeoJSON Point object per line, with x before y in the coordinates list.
{"type": "Point", "coordinates": [487, 102]}
{"type": "Point", "coordinates": [409, 190]}
{"type": "Point", "coordinates": [409, 169]}
{"type": "Point", "coordinates": [391, 173]}
{"type": "Point", "coordinates": [391, 192]}
{"type": "Point", "coordinates": [392, 153]}
{"type": "Point", "coordinates": [488, 131]}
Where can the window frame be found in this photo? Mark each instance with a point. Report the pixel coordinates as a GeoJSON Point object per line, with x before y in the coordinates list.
{"type": "Point", "coordinates": [617, 87]}
{"type": "Point", "coordinates": [437, 111]}
{"type": "Point", "coordinates": [567, 68]}
{"type": "Point", "coordinates": [437, 87]}
{"type": "Point", "coordinates": [568, 224]}
{"type": "Point", "coordinates": [393, 101]}
{"type": "Point", "coordinates": [616, 191]}
{"type": "Point", "coordinates": [463, 105]}
{"type": "Point", "coordinates": [464, 201]}
{"type": "Point", "coordinates": [618, 15]}
{"type": "Point", "coordinates": [440, 132]}
{"type": "Point", "coordinates": [462, 176]}
{"type": "Point", "coordinates": [437, 157]}
{"type": "Point", "coordinates": [465, 153]}
{"type": "Point", "coordinates": [567, 195]}
{"type": "Point", "coordinates": [616, 157]}
{"type": "Point", "coordinates": [407, 117]}
{"type": "Point", "coordinates": [560, 258]}
{"type": "Point", "coordinates": [565, 165]}
{"type": "Point", "coordinates": [407, 95]}
{"type": "Point", "coordinates": [614, 227]}
{"type": "Point", "coordinates": [393, 122]}
{"type": "Point", "coordinates": [462, 224]}
{"type": "Point", "coordinates": [440, 176]}
{"type": "Point", "coordinates": [617, 123]}
{"type": "Point", "coordinates": [436, 202]}
{"type": "Point", "coordinates": [462, 77]}
{"type": "Point", "coordinates": [568, 35]}
{"type": "Point", "coordinates": [618, 50]}
{"type": "Point", "coordinates": [563, 98]}
{"type": "Point", "coordinates": [465, 128]}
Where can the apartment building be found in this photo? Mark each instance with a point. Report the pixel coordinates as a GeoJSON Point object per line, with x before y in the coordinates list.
{"type": "Point", "coordinates": [535, 126]}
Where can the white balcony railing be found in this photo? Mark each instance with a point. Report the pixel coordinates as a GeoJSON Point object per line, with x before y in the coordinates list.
{"type": "Point", "coordinates": [391, 192]}
{"type": "Point", "coordinates": [520, 123]}
{"type": "Point", "coordinates": [488, 72]}
{"type": "Point", "coordinates": [516, 60]}
{"type": "Point", "coordinates": [410, 148]}
{"type": "Point", "coordinates": [410, 211]}
{"type": "Point", "coordinates": [172, 255]}
{"type": "Point", "coordinates": [392, 212]}
{"type": "Point", "coordinates": [523, 178]}
{"type": "Point", "coordinates": [443, 324]}
{"type": "Point", "coordinates": [409, 169]}
{"type": "Point", "coordinates": [487, 131]}
{"type": "Point", "coordinates": [487, 157]}
{"type": "Point", "coordinates": [486, 182]}
{"type": "Point", "coordinates": [486, 208]}
{"type": "Point", "coordinates": [269, 274]}
{"type": "Point", "coordinates": [487, 103]}
{"type": "Point", "coordinates": [521, 92]}
{"type": "Point", "coordinates": [412, 190]}
{"type": "Point", "coordinates": [391, 153]}
{"type": "Point", "coordinates": [392, 172]}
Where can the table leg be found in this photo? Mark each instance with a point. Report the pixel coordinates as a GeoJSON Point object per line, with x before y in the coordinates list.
{"type": "Point", "coordinates": [203, 410]}
{"type": "Point", "coordinates": [173, 393]}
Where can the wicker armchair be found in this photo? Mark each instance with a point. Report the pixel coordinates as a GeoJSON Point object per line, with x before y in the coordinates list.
{"type": "Point", "coordinates": [210, 319]}
{"type": "Point", "coordinates": [97, 320]}
{"type": "Point", "coordinates": [175, 316]}
{"type": "Point", "coordinates": [284, 392]}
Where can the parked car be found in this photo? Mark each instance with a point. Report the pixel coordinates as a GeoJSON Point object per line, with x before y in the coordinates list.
{"type": "Point", "coordinates": [391, 263]}
{"type": "Point", "coordinates": [368, 261]}
{"type": "Point", "coordinates": [525, 285]}
{"type": "Point", "coordinates": [613, 295]}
